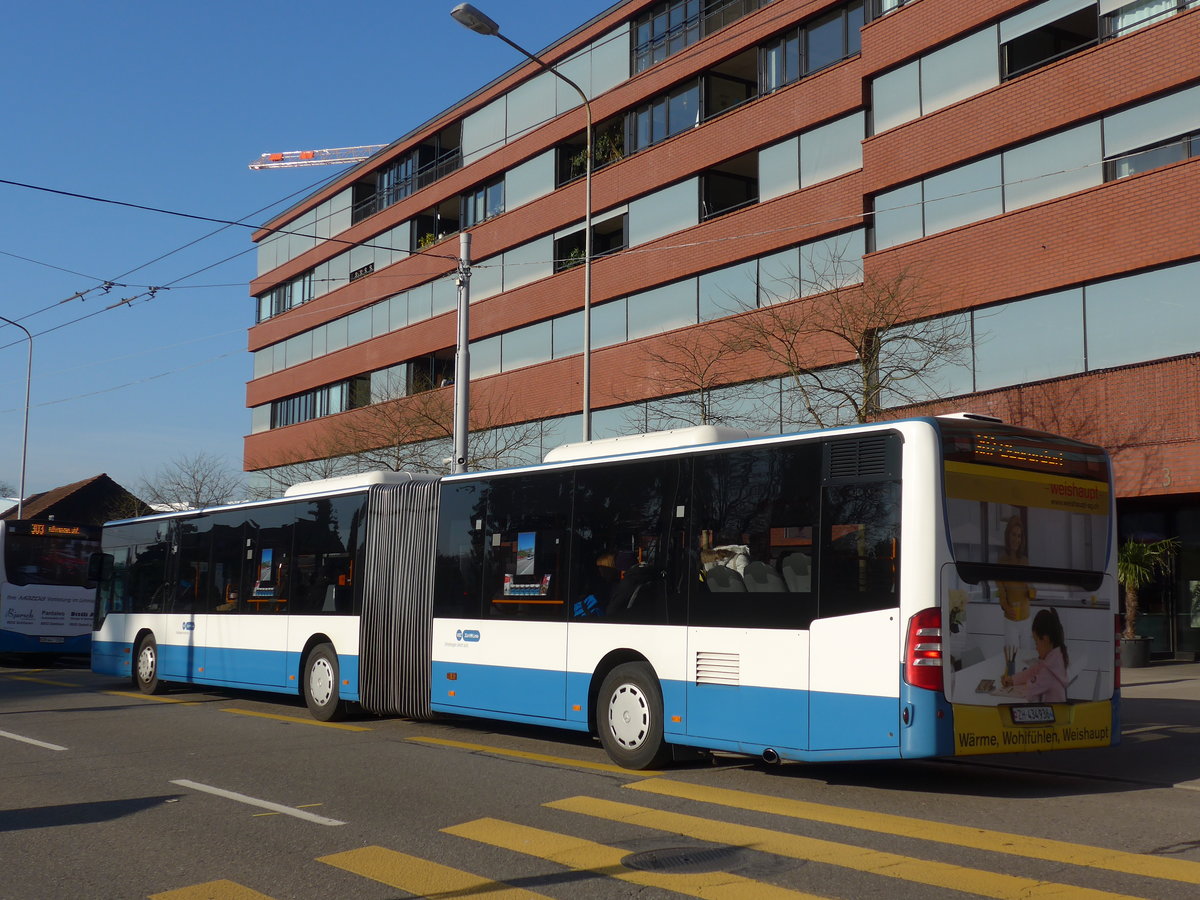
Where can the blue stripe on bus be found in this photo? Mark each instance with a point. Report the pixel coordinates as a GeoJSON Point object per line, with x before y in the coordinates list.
{"type": "Point", "coordinates": [846, 726]}
{"type": "Point", "coordinates": [261, 670]}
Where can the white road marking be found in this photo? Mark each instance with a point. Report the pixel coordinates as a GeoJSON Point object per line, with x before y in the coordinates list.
{"type": "Point", "coordinates": [25, 740]}
{"type": "Point", "coordinates": [254, 801]}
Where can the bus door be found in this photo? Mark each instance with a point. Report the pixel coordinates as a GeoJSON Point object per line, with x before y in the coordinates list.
{"type": "Point", "coordinates": [250, 645]}
{"type": "Point", "coordinates": [854, 665]}
{"type": "Point", "coordinates": [522, 642]}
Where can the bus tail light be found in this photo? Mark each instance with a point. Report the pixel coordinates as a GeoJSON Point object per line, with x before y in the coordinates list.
{"type": "Point", "coordinates": [923, 651]}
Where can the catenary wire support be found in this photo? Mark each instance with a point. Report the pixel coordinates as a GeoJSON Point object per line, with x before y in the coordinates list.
{"type": "Point", "coordinates": [462, 354]}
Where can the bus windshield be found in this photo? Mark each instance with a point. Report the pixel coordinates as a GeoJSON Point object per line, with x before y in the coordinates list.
{"type": "Point", "coordinates": [1018, 499]}
{"type": "Point", "coordinates": [45, 553]}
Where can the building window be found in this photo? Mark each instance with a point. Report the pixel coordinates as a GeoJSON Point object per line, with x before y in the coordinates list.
{"type": "Point", "coordinates": [608, 237]}
{"type": "Point", "coordinates": [434, 224]}
{"type": "Point", "coordinates": [432, 159]}
{"type": "Point", "coordinates": [813, 46]}
{"type": "Point", "coordinates": [608, 146]}
{"type": "Point", "coordinates": [285, 296]}
{"type": "Point", "coordinates": [664, 116]}
{"type": "Point", "coordinates": [1138, 14]}
{"type": "Point", "coordinates": [1028, 42]}
{"type": "Point", "coordinates": [730, 84]}
{"type": "Point", "coordinates": [729, 186]}
{"type": "Point", "coordinates": [1148, 158]}
{"type": "Point", "coordinates": [667, 28]}
{"type": "Point", "coordinates": [482, 203]}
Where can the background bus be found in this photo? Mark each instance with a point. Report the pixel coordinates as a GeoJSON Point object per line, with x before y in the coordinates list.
{"type": "Point", "coordinates": [850, 594]}
{"type": "Point", "coordinates": [46, 596]}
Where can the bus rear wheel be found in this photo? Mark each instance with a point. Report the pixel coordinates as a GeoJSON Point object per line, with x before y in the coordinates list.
{"type": "Point", "coordinates": [321, 691]}
{"type": "Point", "coordinates": [629, 717]}
{"type": "Point", "coordinates": [145, 666]}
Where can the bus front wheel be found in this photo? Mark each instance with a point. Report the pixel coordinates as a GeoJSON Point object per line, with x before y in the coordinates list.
{"type": "Point", "coordinates": [629, 717]}
{"type": "Point", "coordinates": [145, 666]}
{"type": "Point", "coordinates": [321, 691]}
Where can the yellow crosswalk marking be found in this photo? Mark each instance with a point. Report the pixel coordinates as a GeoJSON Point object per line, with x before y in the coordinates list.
{"type": "Point", "coordinates": [956, 835]}
{"type": "Point", "coordinates": [422, 877]}
{"type": "Point", "coordinates": [42, 681]}
{"type": "Point", "coordinates": [212, 890]}
{"type": "Point", "coordinates": [523, 754]}
{"type": "Point", "coordinates": [847, 856]}
{"type": "Point", "coordinates": [583, 855]}
{"type": "Point", "coordinates": [138, 695]}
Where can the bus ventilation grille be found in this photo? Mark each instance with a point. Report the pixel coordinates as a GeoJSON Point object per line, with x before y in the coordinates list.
{"type": "Point", "coordinates": [854, 459]}
{"type": "Point", "coordinates": [718, 668]}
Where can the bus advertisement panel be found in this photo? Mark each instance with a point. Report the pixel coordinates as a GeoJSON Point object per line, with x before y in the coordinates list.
{"type": "Point", "coordinates": [45, 596]}
{"type": "Point", "coordinates": [1028, 605]}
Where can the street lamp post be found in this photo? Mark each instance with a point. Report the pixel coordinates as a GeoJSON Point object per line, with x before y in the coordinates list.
{"type": "Point", "coordinates": [25, 426]}
{"type": "Point", "coordinates": [467, 15]}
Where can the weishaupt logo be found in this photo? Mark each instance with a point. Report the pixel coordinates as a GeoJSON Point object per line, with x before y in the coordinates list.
{"type": "Point", "coordinates": [469, 635]}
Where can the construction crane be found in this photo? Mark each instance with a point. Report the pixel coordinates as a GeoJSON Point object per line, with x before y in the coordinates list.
{"type": "Point", "coordinates": [290, 159]}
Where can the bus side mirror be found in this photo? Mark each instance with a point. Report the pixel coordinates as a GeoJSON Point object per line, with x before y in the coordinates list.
{"type": "Point", "coordinates": [100, 566]}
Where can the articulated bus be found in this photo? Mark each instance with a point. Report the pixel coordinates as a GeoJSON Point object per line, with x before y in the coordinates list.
{"type": "Point", "coordinates": [919, 588]}
{"type": "Point", "coordinates": [46, 596]}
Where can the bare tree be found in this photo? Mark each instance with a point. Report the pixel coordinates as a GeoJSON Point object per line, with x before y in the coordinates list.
{"type": "Point", "coordinates": [413, 432]}
{"type": "Point", "coordinates": [192, 482]}
{"type": "Point", "coordinates": [317, 460]}
{"type": "Point", "coordinates": [885, 323]}
{"type": "Point", "coordinates": [692, 373]}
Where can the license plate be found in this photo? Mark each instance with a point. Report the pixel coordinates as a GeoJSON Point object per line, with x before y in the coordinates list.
{"type": "Point", "coordinates": [1029, 715]}
{"type": "Point", "coordinates": [50, 639]}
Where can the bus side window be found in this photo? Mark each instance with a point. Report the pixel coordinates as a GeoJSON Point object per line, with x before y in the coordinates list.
{"type": "Point", "coordinates": [860, 556]}
{"type": "Point", "coordinates": [527, 538]}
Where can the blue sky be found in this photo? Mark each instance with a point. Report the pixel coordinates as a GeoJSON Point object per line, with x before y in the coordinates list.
{"type": "Point", "coordinates": [164, 104]}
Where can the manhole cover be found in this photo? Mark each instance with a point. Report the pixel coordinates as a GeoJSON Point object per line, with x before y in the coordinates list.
{"type": "Point", "coordinates": [685, 859]}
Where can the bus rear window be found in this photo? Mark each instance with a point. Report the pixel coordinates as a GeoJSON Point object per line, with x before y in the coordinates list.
{"type": "Point", "coordinates": [1020, 499]}
{"type": "Point", "coordinates": [42, 553]}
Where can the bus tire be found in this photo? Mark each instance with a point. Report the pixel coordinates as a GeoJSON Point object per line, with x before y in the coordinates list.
{"type": "Point", "coordinates": [629, 717]}
{"type": "Point", "coordinates": [145, 666]}
{"type": "Point", "coordinates": [321, 682]}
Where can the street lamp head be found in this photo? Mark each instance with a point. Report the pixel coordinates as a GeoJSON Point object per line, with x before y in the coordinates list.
{"type": "Point", "coordinates": [468, 15]}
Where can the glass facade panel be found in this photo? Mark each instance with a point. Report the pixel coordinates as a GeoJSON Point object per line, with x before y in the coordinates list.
{"type": "Point", "coordinates": [398, 313]}
{"type": "Point", "coordinates": [945, 378]}
{"type": "Point", "coordinates": [1029, 340]}
{"type": "Point", "coordinates": [831, 263]}
{"type": "Point", "coordinates": [567, 334]}
{"type": "Point", "coordinates": [336, 334]}
{"type": "Point", "coordinates": [530, 180]}
{"type": "Point", "coordinates": [299, 349]}
{"type": "Point", "coordinates": [484, 130]}
{"type": "Point", "coordinates": [320, 345]}
{"type": "Point", "coordinates": [260, 419]}
{"type": "Point", "coordinates": [832, 149]}
{"type": "Point", "coordinates": [779, 276]}
{"type": "Point", "coordinates": [967, 67]}
{"type": "Point", "coordinates": [380, 318]}
{"type": "Point", "coordinates": [530, 104]}
{"type": "Point", "coordinates": [779, 169]}
{"type": "Point", "coordinates": [1152, 315]}
{"type": "Point", "coordinates": [526, 346]}
{"type": "Point", "coordinates": [485, 357]}
{"type": "Point", "coordinates": [896, 97]}
{"type": "Point", "coordinates": [528, 262]}
{"type": "Point", "coordinates": [1052, 167]}
{"type": "Point", "coordinates": [898, 216]}
{"type": "Point", "coordinates": [729, 290]}
{"type": "Point", "coordinates": [445, 295]}
{"type": "Point", "coordinates": [609, 324]}
{"type": "Point", "coordinates": [664, 212]}
{"type": "Point", "coordinates": [359, 325]}
{"type": "Point", "coordinates": [487, 278]}
{"type": "Point", "coordinates": [420, 303]}
{"type": "Point", "coordinates": [966, 194]}
{"type": "Point", "coordinates": [1152, 122]}
{"type": "Point", "coordinates": [264, 362]}
{"type": "Point", "coordinates": [610, 63]}
{"type": "Point", "coordinates": [662, 309]}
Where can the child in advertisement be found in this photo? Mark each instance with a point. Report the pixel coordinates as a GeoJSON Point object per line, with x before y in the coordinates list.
{"type": "Point", "coordinates": [1046, 680]}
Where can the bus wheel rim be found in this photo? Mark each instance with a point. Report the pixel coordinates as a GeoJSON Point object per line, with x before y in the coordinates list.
{"type": "Point", "coordinates": [320, 681]}
{"type": "Point", "coordinates": [146, 663]}
{"type": "Point", "coordinates": [628, 716]}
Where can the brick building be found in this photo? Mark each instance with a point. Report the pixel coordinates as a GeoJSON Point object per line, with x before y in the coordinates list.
{"type": "Point", "coordinates": [1036, 164]}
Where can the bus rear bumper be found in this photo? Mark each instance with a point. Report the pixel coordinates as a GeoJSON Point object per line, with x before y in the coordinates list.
{"type": "Point", "coordinates": [995, 729]}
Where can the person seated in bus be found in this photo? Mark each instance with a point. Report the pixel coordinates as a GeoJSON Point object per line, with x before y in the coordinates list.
{"type": "Point", "coordinates": [598, 588]}
{"type": "Point", "coordinates": [1046, 680]}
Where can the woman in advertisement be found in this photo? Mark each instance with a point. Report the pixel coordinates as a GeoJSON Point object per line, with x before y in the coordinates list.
{"type": "Point", "coordinates": [1015, 596]}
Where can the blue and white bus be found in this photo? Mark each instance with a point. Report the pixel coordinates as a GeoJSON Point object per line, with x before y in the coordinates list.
{"type": "Point", "coordinates": [918, 588]}
{"type": "Point", "coordinates": [46, 596]}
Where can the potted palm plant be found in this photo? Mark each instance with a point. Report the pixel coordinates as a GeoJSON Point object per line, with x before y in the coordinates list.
{"type": "Point", "coordinates": [1138, 563]}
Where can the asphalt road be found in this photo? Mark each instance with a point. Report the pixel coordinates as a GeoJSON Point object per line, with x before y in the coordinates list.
{"type": "Point", "coordinates": [199, 794]}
